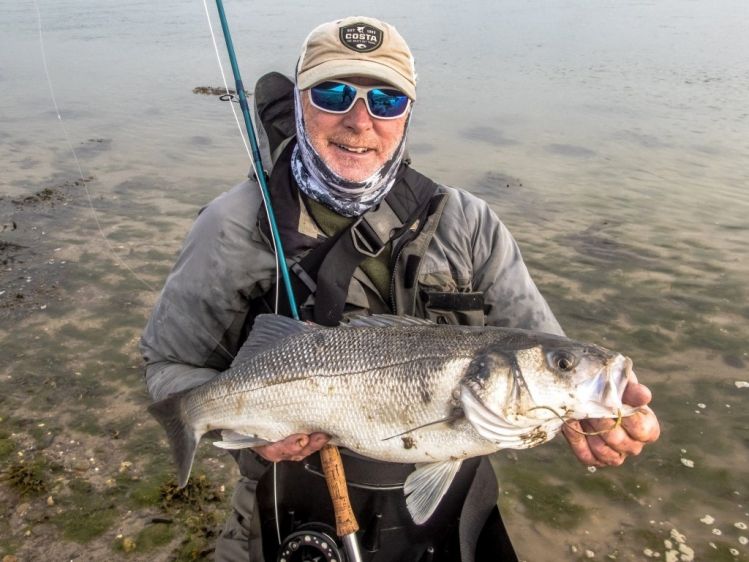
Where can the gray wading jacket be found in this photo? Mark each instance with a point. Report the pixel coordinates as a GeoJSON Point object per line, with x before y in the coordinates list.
{"type": "Point", "coordinates": [195, 328]}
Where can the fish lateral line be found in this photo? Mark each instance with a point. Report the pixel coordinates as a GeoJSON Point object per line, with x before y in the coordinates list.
{"type": "Point", "coordinates": [443, 420]}
{"type": "Point", "coordinates": [568, 423]}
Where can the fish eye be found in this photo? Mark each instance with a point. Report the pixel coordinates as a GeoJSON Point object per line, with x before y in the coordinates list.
{"type": "Point", "coordinates": [562, 360]}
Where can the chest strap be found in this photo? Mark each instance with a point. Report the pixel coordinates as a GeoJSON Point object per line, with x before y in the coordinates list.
{"type": "Point", "coordinates": [327, 267]}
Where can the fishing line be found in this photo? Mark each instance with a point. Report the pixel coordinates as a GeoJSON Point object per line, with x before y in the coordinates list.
{"type": "Point", "coordinates": [270, 220]}
{"type": "Point", "coordinates": [94, 214]}
{"type": "Point", "coordinates": [247, 148]}
{"type": "Point", "coordinates": [89, 197]}
{"type": "Point", "coordinates": [75, 156]}
{"type": "Point", "coordinates": [568, 423]}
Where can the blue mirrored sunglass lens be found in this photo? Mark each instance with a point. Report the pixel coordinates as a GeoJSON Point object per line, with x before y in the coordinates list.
{"type": "Point", "coordinates": [387, 103]}
{"type": "Point", "coordinates": [333, 96]}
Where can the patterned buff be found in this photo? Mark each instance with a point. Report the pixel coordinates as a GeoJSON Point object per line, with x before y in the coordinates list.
{"type": "Point", "coordinates": [316, 180]}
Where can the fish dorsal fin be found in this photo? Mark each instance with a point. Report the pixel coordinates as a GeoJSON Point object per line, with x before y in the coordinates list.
{"type": "Point", "coordinates": [385, 321]}
{"type": "Point", "coordinates": [426, 486]}
{"type": "Point", "coordinates": [267, 331]}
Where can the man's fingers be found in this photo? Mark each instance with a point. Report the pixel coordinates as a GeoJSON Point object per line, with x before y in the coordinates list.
{"type": "Point", "coordinates": [579, 444]}
{"type": "Point", "coordinates": [604, 453]}
{"type": "Point", "coordinates": [642, 426]}
{"type": "Point", "coordinates": [293, 448]}
{"type": "Point", "coordinates": [636, 394]}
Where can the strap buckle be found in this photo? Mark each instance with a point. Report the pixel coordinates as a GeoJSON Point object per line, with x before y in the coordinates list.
{"type": "Point", "coordinates": [366, 241]}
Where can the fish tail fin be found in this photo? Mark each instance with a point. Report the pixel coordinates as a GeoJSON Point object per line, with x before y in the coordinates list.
{"type": "Point", "coordinates": [183, 439]}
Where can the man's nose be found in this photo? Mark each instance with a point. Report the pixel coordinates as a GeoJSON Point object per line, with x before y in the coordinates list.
{"type": "Point", "coordinates": [358, 117]}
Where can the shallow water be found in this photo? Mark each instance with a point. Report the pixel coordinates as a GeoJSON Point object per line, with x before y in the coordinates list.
{"type": "Point", "coordinates": [612, 138]}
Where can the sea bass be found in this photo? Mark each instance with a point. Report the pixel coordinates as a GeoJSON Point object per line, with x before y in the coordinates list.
{"type": "Point", "coordinates": [400, 390]}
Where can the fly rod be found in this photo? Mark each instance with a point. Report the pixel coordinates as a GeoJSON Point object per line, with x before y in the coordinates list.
{"type": "Point", "coordinates": [257, 161]}
{"type": "Point", "coordinates": [346, 525]}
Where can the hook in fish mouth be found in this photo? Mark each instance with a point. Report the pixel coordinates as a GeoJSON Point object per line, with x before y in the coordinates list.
{"type": "Point", "coordinates": [568, 421]}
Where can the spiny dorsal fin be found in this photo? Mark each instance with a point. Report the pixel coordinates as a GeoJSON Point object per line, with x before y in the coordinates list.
{"type": "Point", "coordinates": [267, 332]}
{"type": "Point", "coordinates": [385, 321]}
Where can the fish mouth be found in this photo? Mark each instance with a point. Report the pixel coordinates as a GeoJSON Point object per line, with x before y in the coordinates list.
{"type": "Point", "coordinates": [601, 397]}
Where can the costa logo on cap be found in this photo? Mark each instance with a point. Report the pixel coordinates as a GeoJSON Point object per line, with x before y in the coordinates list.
{"type": "Point", "coordinates": [361, 37]}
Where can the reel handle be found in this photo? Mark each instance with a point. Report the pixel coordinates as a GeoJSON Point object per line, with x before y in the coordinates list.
{"type": "Point", "coordinates": [332, 466]}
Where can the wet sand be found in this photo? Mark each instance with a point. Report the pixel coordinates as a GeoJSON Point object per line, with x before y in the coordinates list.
{"type": "Point", "coordinates": [87, 475]}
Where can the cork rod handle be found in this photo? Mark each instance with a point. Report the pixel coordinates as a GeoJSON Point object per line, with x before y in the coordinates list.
{"type": "Point", "coordinates": [333, 468]}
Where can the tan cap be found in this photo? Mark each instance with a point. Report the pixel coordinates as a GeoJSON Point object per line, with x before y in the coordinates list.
{"type": "Point", "coordinates": [357, 46]}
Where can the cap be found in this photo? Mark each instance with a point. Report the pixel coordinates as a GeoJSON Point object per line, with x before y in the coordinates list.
{"type": "Point", "coordinates": [357, 46]}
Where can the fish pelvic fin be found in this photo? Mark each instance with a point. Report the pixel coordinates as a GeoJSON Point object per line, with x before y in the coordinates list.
{"type": "Point", "coordinates": [183, 439]}
{"type": "Point", "coordinates": [267, 332]}
{"type": "Point", "coordinates": [233, 440]}
{"type": "Point", "coordinates": [426, 486]}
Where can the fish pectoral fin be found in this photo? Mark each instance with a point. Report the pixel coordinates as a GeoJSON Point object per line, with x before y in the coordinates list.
{"type": "Point", "coordinates": [426, 486]}
{"type": "Point", "coordinates": [234, 440]}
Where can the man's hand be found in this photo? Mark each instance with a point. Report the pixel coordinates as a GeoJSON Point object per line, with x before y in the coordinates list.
{"type": "Point", "coordinates": [613, 447]}
{"type": "Point", "coordinates": [293, 448]}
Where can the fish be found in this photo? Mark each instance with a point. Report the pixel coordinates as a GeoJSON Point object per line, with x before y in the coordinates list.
{"type": "Point", "coordinates": [398, 389]}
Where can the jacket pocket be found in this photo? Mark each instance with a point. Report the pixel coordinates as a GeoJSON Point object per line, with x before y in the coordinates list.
{"type": "Point", "coordinates": [443, 307]}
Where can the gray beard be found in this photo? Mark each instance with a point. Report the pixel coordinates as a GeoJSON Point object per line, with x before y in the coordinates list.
{"type": "Point", "coordinates": [316, 180]}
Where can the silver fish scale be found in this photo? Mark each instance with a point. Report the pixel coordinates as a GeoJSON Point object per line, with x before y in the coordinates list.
{"type": "Point", "coordinates": [342, 382]}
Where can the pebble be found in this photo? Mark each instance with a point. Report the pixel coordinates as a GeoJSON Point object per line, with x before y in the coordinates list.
{"type": "Point", "coordinates": [9, 558]}
{"type": "Point", "coordinates": [742, 384]}
{"type": "Point", "coordinates": [81, 465]}
{"type": "Point", "coordinates": [672, 556]}
{"type": "Point", "coordinates": [733, 551]}
{"type": "Point", "coordinates": [50, 501]}
{"type": "Point", "coordinates": [687, 554]}
{"type": "Point", "coordinates": [708, 519]}
{"type": "Point", "coordinates": [128, 544]}
{"type": "Point", "coordinates": [648, 552]}
{"type": "Point", "coordinates": [590, 554]}
{"type": "Point", "coordinates": [717, 532]}
{"type": "Point", "coordinates": [740, 525]}
{"type": "Point", "coordinates": [687, 462]}
{"type": "Point", "coordinates": [743, 540]}
{"type": "Point", "coordinates": [678, 537]}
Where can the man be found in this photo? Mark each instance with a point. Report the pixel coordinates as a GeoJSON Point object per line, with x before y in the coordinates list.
{"type": "Point", "coordinates": [364, 232]}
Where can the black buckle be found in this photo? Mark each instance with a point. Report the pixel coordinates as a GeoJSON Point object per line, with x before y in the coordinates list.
{"type": "Point", "coordinates": [366, 241]}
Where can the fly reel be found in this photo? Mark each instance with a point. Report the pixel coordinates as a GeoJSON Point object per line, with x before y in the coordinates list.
{"type": "Point", "coordinates": [312, 542]}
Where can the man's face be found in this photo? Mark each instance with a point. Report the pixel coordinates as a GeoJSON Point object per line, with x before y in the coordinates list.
{"type": "Point", "coordinates": [354, 145]}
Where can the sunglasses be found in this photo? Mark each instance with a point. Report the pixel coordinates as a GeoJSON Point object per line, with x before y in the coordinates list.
{"type": "Point", "coordinates": [339, 97]}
